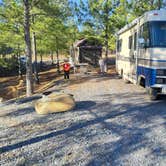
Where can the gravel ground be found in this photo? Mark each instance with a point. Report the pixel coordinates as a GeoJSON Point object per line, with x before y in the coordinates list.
{"type": "Point", "coordinates": [113, 124]}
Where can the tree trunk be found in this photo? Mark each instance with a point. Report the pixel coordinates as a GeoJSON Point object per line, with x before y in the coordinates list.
{"type": "Point", "coordinates": [29, 79]}
{"type": "Point", "coordinates": [159, 4]}
{"type": "Point", "coordinates": [57, 55]}
{"type": "Point", "coordinates": [52, 58]}
{"type": "Point", "coordinates": [58, 66]}
{"type": "Point", "coordinates": [19, 62]}
{"type": "Point", "coordinates": [35, 65]}
{"type": "Point", "coordinates": [106, 42]}
{"type": "Point", "coordinates": [106, 29]}
{"type": "Point", "coordinates": [41, 60]}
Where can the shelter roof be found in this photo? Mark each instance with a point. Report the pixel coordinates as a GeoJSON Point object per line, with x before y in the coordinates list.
{"type": "Point", "coordinates": [89, 43]}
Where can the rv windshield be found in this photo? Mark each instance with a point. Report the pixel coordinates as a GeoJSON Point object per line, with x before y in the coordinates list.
{"type": "Point", "coordinates": [158, 33]}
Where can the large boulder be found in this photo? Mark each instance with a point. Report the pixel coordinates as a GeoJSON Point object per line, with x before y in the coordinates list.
{"type": "Point", "coordinates": [55, 103]}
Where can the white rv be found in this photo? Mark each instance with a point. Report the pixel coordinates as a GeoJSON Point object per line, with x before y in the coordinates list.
{"type": "Point", "coordinates": [141, 52]}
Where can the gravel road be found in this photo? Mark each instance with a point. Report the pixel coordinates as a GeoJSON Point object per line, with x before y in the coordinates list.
{"type": "Point", "coordinates": [113, 124]}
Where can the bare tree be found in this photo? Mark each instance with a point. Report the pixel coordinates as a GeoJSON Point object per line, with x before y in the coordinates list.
{"type": "Point", "coordinates": [29, 77]}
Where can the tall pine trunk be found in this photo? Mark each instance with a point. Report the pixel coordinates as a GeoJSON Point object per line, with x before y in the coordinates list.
{"type": "Point", "coordinates": [29, 79]}
{"type": "Point", "coordinates": [159, 4]}
{"type": "Point", "coordinates": [57, 57]}
{"type": "Point", "coordinates": [35, 64]}
{"type": "Point", "coordinates": [106, 29]}
{"type": "Point", "coordinates": [41, 60]}
{"type": "Point", "coordinates": [106, 41]}
{"type": "Point", "coordinates": [52, 57]}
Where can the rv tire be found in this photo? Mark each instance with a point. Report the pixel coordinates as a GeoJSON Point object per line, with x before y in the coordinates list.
{"type": "Point", "coordinates": [153, 94]}
{"type": "Point", "coordinates": [141, 81]}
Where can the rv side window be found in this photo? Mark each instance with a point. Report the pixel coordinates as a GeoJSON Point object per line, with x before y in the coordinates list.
{"type": "Point", "coordinates": [130, 42]}
{"type": "Point", "coordinates": [135, 40]}
{"type": "Point", "coordinates": [144, 33]}
{"type": "Point", "coordinates": [119, 45]}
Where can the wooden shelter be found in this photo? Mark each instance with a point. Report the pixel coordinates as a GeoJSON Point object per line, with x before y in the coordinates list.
{"type": "Point", "coordinates": [87, 51]}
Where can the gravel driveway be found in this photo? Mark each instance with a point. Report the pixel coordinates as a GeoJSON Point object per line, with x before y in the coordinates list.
{"type": "Point", "coordinates": [113, 124]}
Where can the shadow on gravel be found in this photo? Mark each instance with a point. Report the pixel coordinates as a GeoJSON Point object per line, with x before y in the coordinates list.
{"type": "Point", "coordinates": [74, 127]}
{"type": "Point", "coordinates": [19, 112]}
{"type": "Point", "coordinates": [130, 138]}
{"type": "Point", "coordinates": [84, 105]}
{"type": "Point", "coordinates": [136, 136]}
{"type": "Point", "coordinates": [162, 97]}
{"type": "Point", "coordinates": [22, 100]}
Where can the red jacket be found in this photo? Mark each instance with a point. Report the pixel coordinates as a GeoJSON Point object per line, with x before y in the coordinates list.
{"type": "Point", "coordinates": [66, 67]}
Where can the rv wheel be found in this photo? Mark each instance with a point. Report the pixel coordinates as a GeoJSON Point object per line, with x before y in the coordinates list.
{"type": "Point", "coordinates": [153, 94]}
{"type": "Point", "coordinates": [141, 81]}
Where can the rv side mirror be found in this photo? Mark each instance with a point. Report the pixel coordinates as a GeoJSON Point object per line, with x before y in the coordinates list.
{"type": "Point", "coordinates": [141, 42]}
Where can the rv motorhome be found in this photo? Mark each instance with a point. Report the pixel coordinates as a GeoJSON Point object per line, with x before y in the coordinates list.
{"type": "Point", "coordinates": [141, 52]}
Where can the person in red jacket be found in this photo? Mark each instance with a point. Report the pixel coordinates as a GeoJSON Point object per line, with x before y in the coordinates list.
{"type": "Point", "coordinates": [66, 69]}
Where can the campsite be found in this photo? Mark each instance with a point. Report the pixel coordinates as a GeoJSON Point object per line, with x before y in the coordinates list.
{"type": "Point", "coordinates": [82, 83]}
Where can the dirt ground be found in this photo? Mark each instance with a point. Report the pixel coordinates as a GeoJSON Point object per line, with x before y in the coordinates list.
{"type": "Point", "coordinates": [7, 84]}
{"type": "Point", "coordinates": [46, 78]}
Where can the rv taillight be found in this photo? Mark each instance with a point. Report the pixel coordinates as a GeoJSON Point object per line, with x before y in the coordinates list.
{"type": "Point", "coordinates": [155, 14]}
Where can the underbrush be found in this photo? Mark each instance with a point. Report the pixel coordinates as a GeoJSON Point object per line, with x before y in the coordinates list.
{"type": "Point", "coordinates": [8, 66]}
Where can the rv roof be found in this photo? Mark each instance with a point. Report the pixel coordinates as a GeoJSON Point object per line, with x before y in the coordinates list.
{"type": "Point", "coordinates": [128, 26]}
{"type": "Point", "coordinates": [154, 15]}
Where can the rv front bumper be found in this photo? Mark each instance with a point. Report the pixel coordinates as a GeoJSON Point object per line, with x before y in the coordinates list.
{"type": "Point", "coordinates": [161, 88]}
